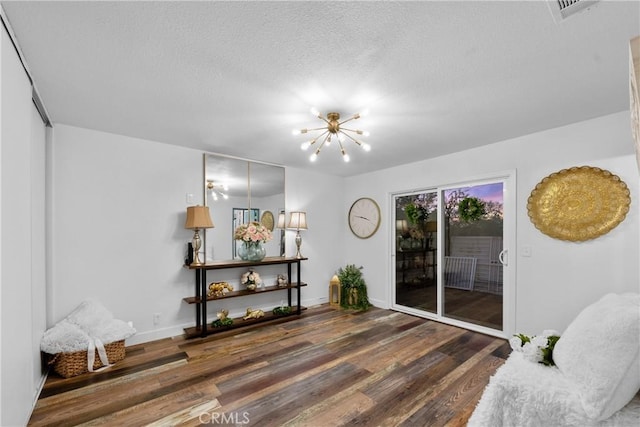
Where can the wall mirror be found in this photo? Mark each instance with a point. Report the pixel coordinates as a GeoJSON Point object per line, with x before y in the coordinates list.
{"type": "Point", "coordinates": [239, 190]}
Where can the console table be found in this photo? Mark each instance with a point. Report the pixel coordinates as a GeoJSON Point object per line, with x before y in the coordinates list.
{"type": "Point", "coordinates": [200, 299]}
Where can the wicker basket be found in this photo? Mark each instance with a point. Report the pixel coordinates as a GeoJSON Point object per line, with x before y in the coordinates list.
{"type": "Point", "coordinates": [75, 363]}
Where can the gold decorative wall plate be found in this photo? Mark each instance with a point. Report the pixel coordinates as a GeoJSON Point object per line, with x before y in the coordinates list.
{"type": "Point", "coordinates": [267, 220]}
{"type": "Point", "coordinates": [579, 203]}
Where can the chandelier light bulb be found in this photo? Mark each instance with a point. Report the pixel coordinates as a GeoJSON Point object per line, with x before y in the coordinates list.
{"type": "Point", "coordinates": [215, 196]}
{"type": "Point", "coordinates": [225, 196]}
{"type": "Point", "coordinates": [332, 129]}
{"type": "Point", "coordinates": [364, 112]}
{"type": "Point", "coordinates": [296, 132]}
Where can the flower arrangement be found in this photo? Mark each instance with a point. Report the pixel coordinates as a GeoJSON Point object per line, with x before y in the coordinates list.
{"type": "Point", "coordinates": [536, 348]}
{"type": "Point", "coordinates": [251, 279]}
{"type": "Point", "coordinates": [252, 232]}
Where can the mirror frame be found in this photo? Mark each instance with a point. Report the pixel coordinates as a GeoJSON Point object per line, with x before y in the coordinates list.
{"type": "Point", "coordinates": [254, 185]}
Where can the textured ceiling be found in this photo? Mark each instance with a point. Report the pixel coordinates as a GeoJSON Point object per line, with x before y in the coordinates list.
{"type": "Point", "coordinates": [237, 77]}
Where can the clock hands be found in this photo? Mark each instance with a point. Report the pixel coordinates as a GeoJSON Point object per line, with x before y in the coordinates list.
{"type": "Point", "coordinates": [365, 218]}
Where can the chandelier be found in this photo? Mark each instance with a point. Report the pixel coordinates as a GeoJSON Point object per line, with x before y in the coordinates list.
{"type": "Point", "coordinates": [332, 131]}
{"type": "Point", "coordinates": [215, 190]}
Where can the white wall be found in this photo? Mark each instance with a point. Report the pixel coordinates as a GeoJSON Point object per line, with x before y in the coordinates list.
{"type": "Point", "coordinates": [118, 211]}
{"type": "Point", "coordinates": [560, 278]}
{"type": "Point", "coordinates": [22, 230]}
{"type": "Point", "coordinates": [118, 215]}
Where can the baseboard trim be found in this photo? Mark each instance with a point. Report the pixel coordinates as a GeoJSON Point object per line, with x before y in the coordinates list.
{"type": "Point", "coordinates": [178, 330]}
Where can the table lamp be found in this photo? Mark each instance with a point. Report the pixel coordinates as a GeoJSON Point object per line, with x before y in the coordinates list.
{"type": "Point", "coordinates": [197, 217]}
{"type": "Point", "coordinates": [298, 221]}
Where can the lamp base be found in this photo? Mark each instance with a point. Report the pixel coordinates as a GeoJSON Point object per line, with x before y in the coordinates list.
{"type": "Point", "coordinates": [196, 243]}
{"type": "Point", "coordinates": [298, 244]}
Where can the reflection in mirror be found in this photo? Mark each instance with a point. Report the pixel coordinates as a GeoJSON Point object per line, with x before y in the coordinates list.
{"type": "Point", "coordinates": [267, 195]}
{"type": "Point", "coordinates": [235, 185]}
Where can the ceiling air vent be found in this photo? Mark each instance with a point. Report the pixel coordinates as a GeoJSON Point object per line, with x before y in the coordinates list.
{"type": "Point", "coordinates": [562, 9]}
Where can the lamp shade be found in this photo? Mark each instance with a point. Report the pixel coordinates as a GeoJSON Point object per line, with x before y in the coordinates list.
{"type": "Point", "coordinates": [281, 220]}
{"type": "Point", "coordinates": [298, 221]}
{"type": "Point", "coordinates": [402, 226]}
{"type": "Point", "coordinates": [198, 217]}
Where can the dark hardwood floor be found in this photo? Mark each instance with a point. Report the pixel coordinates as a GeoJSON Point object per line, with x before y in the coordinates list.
{"type": "Point", "coordinates": [329, 367]}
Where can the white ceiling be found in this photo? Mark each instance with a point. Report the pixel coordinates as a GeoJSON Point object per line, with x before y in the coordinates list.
{"type": "Point", "coordinates": [237, 77]}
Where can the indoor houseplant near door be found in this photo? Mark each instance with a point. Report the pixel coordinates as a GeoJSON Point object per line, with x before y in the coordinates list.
{"type": "Point", "coordinates": [353, 288]}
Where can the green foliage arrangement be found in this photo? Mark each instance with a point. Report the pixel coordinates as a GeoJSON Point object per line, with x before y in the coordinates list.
{"type": "Point", "coordinates": [353, 288]}
{"type": "Point", "coordinates": [471, 209]}
{"type": "Point", "coordinates": [218, 323]}
{"type": "Point", "coordinates": [412, 212]}
{"type": "Point", "coordinates": [280, 311]}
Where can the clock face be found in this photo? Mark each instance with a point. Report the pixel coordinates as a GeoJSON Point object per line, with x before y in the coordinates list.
{"type": "Point", "coordinates": [364, 217]}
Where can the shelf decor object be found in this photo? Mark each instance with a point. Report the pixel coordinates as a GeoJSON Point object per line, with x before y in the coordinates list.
{"type": "Point", "coordinates": [298, 221]}
{"type": "Point", "coordinates": [251, 280]}
{"type": "Point", "coordinates": [578, 204]}
{"type": "Point", "coordinates": [252, 236]}
{"type": "Point", "coordinates": [334, 290]}
{"type": "Point", "coordinates": [198, 218]}
{"type": "Point", "coordinates": [333, 129]}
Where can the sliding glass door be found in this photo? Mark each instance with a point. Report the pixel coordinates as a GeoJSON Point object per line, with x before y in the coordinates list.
{"type": "Point", "coordinates": [449, 254]}
{"type": "Point", "coordinates": [473, 241]}
{"type": "Point", "coordinates": [416, 259]}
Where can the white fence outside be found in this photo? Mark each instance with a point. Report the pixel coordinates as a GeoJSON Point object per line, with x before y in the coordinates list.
{"type": "Point", "coordinates": [485, 250]}
{"type": "Point", "coordinates": [459, 272]}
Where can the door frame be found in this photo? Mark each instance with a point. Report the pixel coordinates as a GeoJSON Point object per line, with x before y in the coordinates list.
{"type": "Point", "coordinates": [509, 179]}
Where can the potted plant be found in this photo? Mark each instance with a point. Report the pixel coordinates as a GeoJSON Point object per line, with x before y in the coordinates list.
{"type": "Point", "coordinates": [353, 288]}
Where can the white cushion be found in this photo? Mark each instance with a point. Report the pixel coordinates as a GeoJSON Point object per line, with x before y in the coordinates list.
{"type": "Point", "coordinates": [600, 353]}
{"type": "Point", "coordinates": [89, 321]}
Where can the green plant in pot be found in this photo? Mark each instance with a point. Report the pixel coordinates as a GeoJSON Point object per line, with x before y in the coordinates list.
{"type": "Point", "coordinates": [353, 288]}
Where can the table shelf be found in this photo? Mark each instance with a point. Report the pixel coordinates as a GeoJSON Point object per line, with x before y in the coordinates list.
{"type": "Point", "coordinates": [201, 289]}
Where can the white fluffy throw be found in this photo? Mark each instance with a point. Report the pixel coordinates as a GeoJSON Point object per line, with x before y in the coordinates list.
{"type": "Point", "coordinates": [526, 394]}
{"type": "Point", "coordinates": [595, 382]}
{"type": "Point", "coordinates": [90, 321]}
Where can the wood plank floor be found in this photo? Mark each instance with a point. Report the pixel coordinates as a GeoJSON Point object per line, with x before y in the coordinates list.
{"type": "Point", "coordinates": [480, 308]}
{"type": "Point", "coordinates": [329, 367]}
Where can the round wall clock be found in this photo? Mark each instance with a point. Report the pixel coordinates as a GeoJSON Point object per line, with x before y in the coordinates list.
{"type": "Point", "coordinates": [364, 217]}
